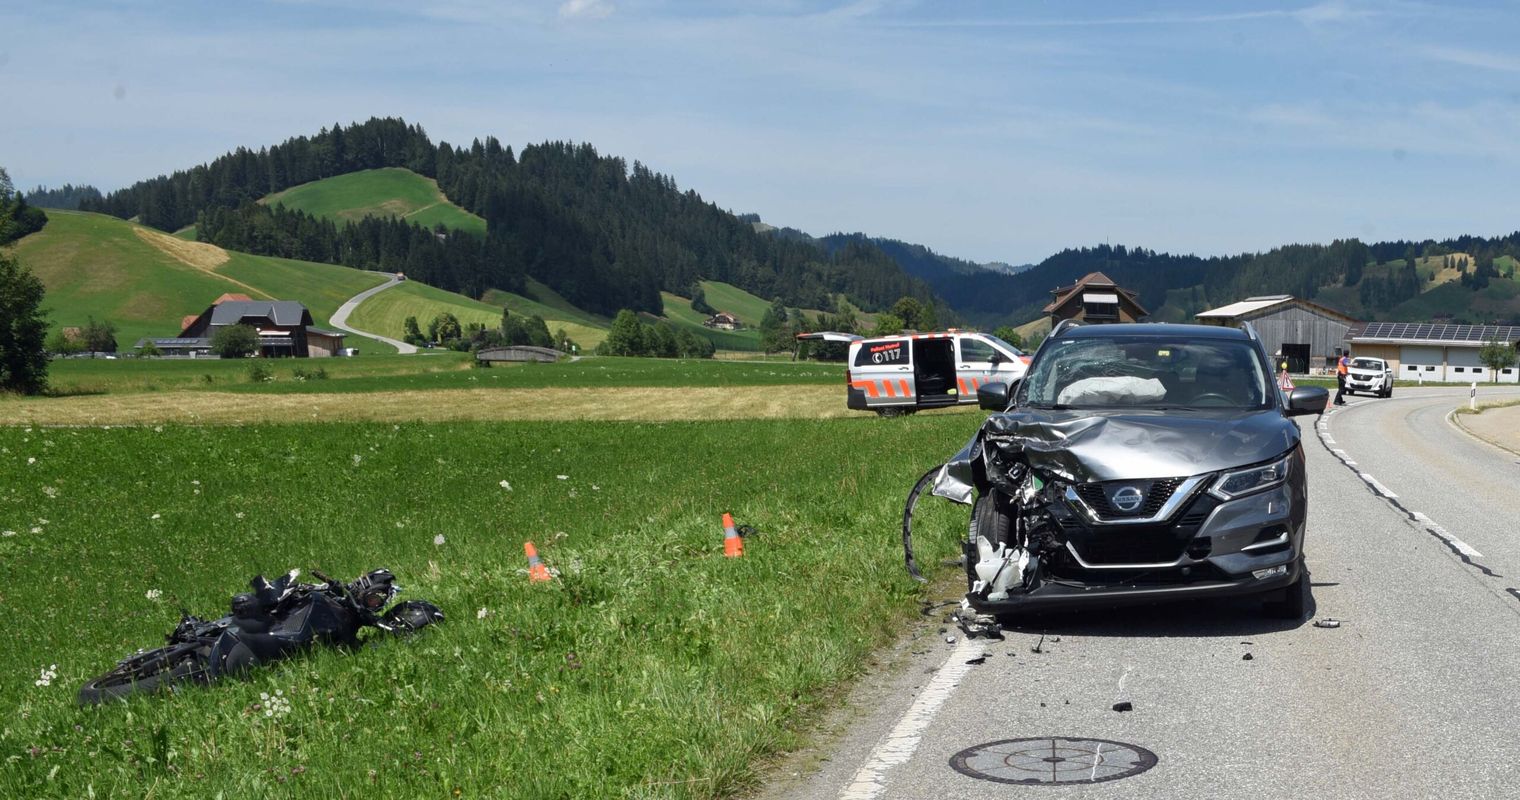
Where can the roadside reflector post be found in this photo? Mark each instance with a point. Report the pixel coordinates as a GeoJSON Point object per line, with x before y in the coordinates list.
{"type": "Point", "coordinates": [1472, 397]}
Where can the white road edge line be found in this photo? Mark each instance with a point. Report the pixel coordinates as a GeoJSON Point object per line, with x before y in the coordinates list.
{"type": "Point", "coordinates": [1430, 525]}
{"type": "Point", "coordinates": [1460, 546]}
{"type": "Point", "coordinates": [1378, 487]}
{"type": "Point", "coordinates": [898, 746]}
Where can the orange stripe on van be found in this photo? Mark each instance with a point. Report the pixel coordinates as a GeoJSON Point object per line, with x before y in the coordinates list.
{"type": "Point", "coordinates": [904, 385]}
{"type": "Point", "coordinates": [868, 386]}
{"type": "Point", "coordinates": [888, 386]}
{"type": "Point", "coordinates": [962, 383]}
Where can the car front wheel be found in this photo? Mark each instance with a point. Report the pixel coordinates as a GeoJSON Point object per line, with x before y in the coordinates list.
{"type": "Point", "coordinates": [1292, 601]}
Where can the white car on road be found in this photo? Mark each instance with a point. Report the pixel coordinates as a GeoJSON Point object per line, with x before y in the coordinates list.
{"type": "Point", "coordinates": [1370, 376]}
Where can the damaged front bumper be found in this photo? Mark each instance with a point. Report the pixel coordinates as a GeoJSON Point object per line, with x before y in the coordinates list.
{"type": "Point", "coordinates": [1062, 594]}
{"type": "Point", "coordinates": [1205, 549]}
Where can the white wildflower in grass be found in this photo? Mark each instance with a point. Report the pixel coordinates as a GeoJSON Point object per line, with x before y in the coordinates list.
{"type": "Point", "coordinates": [595, 488]}
{"type": "Point", "coordinates": [50, 491]}
{"type": "Point", "coordinates": [195, 483]}
{"type": "Point", "coordinates": [48, 674]}
{"type": "Point", "coordinates": [7, 533]}
{"type": "Point", "coordinates": [36, 529]}
{"type": "Point", "coordinates": [41, 521]}
{"type": "Point", "coordinates": [506, 485]}
{"type": "Point", "coordinates": [439, 540]}
{"type": "Point", "coordinates": [154, 594]}
{"type": "Point", "coordinates": [156, 516]}
{"type": "Point", "coordinates": [239, 515]}
{"type": "Point", "coordinates": [563, 477]}
{"type": "Point", "coordinates": [158, 429]}
{"type": "Point", "coordinates": [30, 461]}
{"type": "Point", "coordinates": [357, 458]}
{"type": "Point", "coordinates": [481, 614]}
{"type": "Point", "coordinates": [274, 705]}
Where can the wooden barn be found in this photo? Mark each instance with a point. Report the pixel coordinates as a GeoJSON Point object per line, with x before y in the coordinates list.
{"type": "Point", "coordinates": [1308, 335]}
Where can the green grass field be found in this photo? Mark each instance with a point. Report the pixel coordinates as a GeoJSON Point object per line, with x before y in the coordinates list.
{"type": "Point", "coordinates": [653, 667]}
{"type": "Point", "coordinates": [439, 369]}
{"type": "Point", "coordinates": [98, 265]}
{"type": "Point", "coordinates": [388, 192]}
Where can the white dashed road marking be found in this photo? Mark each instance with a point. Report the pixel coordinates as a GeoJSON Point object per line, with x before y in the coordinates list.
{"type": "Point", "coordinates": [1457, 544]}
{"type": "Point", "coordinates": [898, 746]}
{"type": "Point", "coordinates": [1429, 524]}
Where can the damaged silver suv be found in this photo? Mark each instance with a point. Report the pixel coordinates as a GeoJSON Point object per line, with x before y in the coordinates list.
{"type": "Point", "coordinates": [1133, 464]}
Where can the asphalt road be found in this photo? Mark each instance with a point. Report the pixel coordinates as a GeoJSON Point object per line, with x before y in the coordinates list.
{"type": "Point", "coordinates": [1414, 696]}
{"type": "Point", "coordinates": [340, 317]}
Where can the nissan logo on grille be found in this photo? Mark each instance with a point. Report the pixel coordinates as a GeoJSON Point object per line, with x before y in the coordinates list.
{"type": "Point", "coordinates": [1127, 499]}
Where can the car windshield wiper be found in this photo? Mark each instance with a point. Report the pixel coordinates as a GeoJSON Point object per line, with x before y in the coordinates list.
{"type": "Point", "coordinates": [1051, 406]}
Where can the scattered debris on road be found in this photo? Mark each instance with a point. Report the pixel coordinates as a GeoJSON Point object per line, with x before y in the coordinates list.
{"type": "Point", "coordinates": [1247, 657]}
{"type": "Point", "coordinates": [1038, 645]}
{"type": "Point", "coordinates": [1327, 622]}
{"type": "Point", "coordinates": [981, 659]}
{"type": "Point", "coordinates": [1123, 706]}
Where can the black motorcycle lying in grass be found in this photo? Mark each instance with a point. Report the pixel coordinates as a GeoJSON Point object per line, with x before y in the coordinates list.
{"type": "Point", "coordinates": [267, 624]}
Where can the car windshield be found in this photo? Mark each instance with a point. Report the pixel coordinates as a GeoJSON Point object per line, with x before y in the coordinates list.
{"type": "Point", "coordinates": [1366, 363]}
{"type": "Point", "coordinates": [1147, 372]}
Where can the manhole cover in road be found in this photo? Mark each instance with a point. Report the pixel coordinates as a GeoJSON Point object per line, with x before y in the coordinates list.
{"type": "Point", "coordinates": [1053, 759]}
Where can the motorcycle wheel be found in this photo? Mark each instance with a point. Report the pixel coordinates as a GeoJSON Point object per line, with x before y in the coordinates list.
{"type": "Point", "coordinates": [155, 670]}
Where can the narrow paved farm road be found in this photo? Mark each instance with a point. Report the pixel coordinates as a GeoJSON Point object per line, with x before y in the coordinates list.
{"type": "Point", "coordinates": [340, 317]}
{"type": "Point", "coordinates": [1412, 696]}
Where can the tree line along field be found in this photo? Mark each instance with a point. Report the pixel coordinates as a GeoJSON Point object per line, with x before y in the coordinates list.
{"type": "Point", "coordinates": [651, 667]}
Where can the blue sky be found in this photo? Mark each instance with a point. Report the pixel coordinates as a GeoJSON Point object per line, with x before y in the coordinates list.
{"type": "Point", "coordinates": [991, 131]}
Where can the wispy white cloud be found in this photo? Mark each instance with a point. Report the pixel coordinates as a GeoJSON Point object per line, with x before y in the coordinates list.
{"type": "Point", "coordinates": [1498, 62]}
{"type": "Point", "coordinates": [1331, 11]}
{"type": "Point", "coordinates": [585, 9]}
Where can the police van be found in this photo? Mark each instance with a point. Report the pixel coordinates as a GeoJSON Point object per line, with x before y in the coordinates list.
{"type": "Point", "coordinates": [900, 374]}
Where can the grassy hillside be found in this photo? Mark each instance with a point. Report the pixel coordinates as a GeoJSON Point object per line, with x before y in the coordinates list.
{"type": "Point", "coordinates": [389, 192]}
{"type": "Point", "coordinates": [588, 330]}
{"type": "Point", "coordinates": [680, 314]}
{"type": "Point", "coordinates": [387, 311]}
{"type": "Point", "coordinates": [145, 282]}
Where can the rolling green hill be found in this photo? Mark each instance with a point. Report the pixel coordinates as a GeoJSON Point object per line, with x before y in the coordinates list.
{"type": "Point", "coordinates": [387, 311]}
{"type": "Point", "coordinates": [145, 281]}
{"type": "Point", "coordinates": [386, 192]}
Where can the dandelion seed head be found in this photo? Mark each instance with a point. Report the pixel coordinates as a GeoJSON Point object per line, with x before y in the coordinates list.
{"type": "Point", "coordinates": [439, 540]}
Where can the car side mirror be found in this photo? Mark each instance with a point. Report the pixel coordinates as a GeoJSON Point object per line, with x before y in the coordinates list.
{"type": "Point", "coordinates": [994, 396]}
{"type": "Point", "coordinates": [1306, 400]}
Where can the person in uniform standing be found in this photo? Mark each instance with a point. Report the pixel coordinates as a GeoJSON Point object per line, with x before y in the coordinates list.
{"type": "Point", "coordinates": [1342, 367]}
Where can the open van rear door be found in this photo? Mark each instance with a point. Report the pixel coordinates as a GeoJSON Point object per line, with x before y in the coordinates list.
{"type": "Point", "coordinates": [830, 336]}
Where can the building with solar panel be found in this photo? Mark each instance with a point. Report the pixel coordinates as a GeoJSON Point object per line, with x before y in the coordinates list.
{"type": "Point", "coordinates": [1434, 352]}
{"type": "Point", "coordinates": [1307, 335]}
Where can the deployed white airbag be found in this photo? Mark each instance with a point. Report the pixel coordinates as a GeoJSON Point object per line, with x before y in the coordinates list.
{"type": "Point", "coordinates": [1112, 390]}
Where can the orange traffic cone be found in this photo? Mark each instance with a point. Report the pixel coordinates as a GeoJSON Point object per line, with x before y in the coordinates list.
{"type": "Point", "coordinates": [537, 572]}
{"type": "Point", "coordinates": [733, 544]}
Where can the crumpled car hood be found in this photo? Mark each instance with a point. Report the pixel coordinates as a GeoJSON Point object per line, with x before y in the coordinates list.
{"type": "Point", "coordinates": [1103, 446]}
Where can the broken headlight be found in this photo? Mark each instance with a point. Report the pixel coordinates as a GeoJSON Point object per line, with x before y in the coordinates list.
{"type": "Point", "coordinates": [1241, 482]}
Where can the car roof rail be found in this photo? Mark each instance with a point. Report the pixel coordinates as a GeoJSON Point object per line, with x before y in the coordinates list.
{"type": "Point", "coordinates": [1063, 326]}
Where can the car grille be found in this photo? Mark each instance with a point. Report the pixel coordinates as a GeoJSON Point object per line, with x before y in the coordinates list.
{"type": "Point", "coordinates": [1096, 496]}
{"type": "Point", "coordinates": [1138, 544]}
